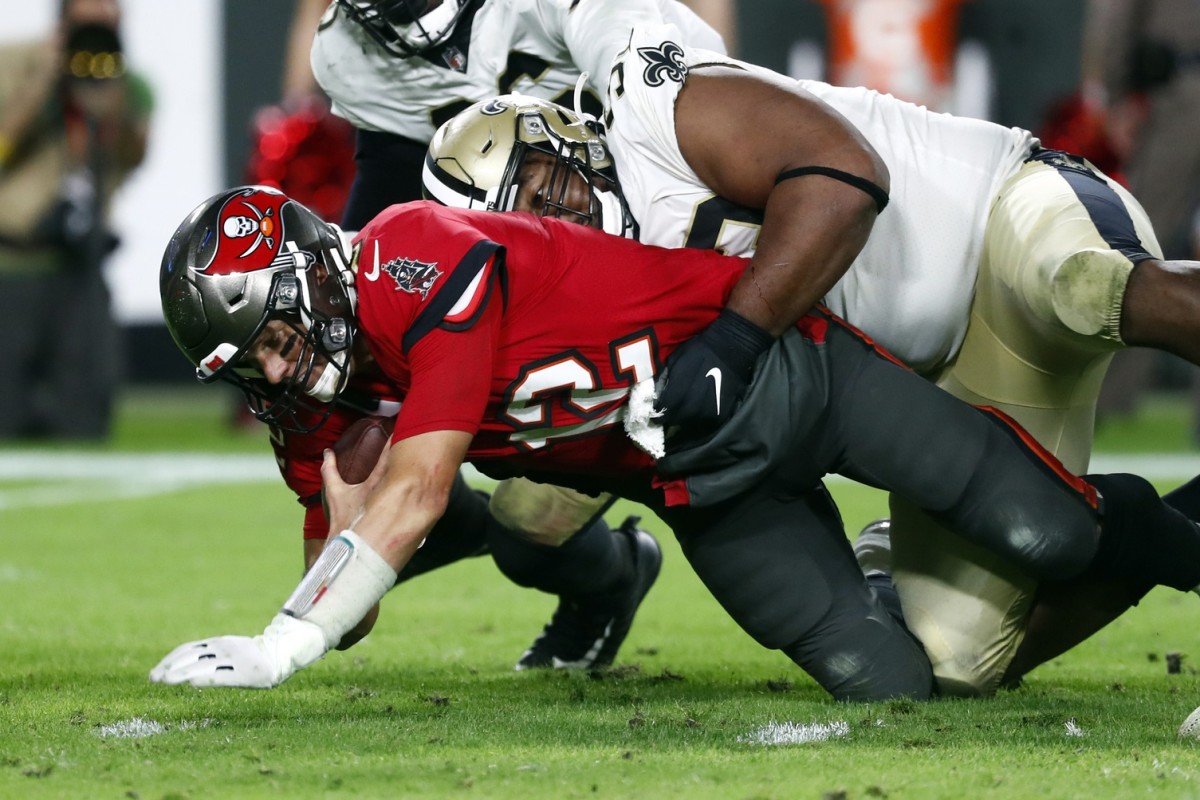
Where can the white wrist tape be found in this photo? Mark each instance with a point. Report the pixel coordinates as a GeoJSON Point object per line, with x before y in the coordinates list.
{"type": "Point", "coordinates": [291, 644]}
{"type": "Point", "coordinates": [347, 579]}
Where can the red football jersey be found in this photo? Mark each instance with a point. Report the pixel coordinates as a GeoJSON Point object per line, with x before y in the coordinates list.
{"type": "Point", "coordinates": [527, 332]}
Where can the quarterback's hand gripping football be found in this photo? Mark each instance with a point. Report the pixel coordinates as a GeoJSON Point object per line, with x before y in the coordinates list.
{"type": "Point", "coordinates": [344, 501]}
{"type": "Point", "coordinates": [707, 375]}
{"type": "Point", "coordinates": [247, 662]}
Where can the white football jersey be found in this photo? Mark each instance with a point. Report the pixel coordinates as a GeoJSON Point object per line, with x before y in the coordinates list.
{"type": "Point", "coordinates": [911, 287]}
{"type": "Point", "coordinates": [534, 47]}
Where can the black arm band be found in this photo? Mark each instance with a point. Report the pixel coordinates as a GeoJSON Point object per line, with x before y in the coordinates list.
{"type": "Point", "coordinates": [877, 194]}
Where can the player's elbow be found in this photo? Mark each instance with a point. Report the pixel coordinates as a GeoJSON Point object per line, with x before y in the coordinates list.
{"type": "Point", "coordinates": [876, 185]}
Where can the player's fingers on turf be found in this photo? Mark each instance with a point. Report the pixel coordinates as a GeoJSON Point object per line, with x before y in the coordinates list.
{"type": "Point", "coordinates": [187, 653]}
{"type": "Point", "coordinates": [238, 662]}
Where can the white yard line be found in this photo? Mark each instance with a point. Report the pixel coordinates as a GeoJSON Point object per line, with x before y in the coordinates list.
{"type": "Point", "coordinates": [85, 477]}
{"type": "Point", "coordinates": [82, 476]}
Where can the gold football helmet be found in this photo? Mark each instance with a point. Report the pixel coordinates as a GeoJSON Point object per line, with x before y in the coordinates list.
{"type": "Point", "coordinates": [520, 153]}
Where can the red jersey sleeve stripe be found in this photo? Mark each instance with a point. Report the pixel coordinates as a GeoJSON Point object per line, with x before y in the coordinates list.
{"type": "Point", "coordinates": [472, 299]}
{"type": "Point", "coordinates": [434, 313]}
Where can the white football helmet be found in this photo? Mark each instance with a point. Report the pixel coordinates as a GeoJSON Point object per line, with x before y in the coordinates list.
{"type": "Point", "coordinates": [475, 161]}
{"type": "Point", "coordinates": [407, 28]}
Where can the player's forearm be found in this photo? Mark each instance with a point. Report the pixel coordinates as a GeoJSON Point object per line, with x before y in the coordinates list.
{"type": "Point", "coordinates": [312, 550]}
{"type": "Point", "coordinates": [359, 565]}
{"type": "Point", "coordinates": [776, 147]}
{"type": "Point", "coordinates": [807, 244]}
{"type": "Point", "coordinates": [398, 518]}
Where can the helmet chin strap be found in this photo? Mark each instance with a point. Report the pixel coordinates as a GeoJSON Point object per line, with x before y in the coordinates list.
{"type": "Point", "coordinates": [580, 83]}
{"type": "Point", "coordinates": [326, 387]}
{"type": "Point", "coordinates": [612, 213]}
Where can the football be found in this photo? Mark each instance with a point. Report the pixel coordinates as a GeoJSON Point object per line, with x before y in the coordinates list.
{"type": "Point", "coordinates": [358, 448]}
{"type": "Point", "coordinates": [1191, 726]}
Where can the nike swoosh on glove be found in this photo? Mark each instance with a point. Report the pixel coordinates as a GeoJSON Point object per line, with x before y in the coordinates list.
{"type": "Point", "coordinates": [707, 375]}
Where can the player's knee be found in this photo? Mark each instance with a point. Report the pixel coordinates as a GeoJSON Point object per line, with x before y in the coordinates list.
{"type": "Point", "coordinates": [540, 512]}
{"type": "Point", "coordinates": [1017, 511]}
{"type": "Point", "coordinates": [964, 662]}
{"type": "Point", "coordinates": [1055, 542]}
{"type": "Point", "coordinates": [867, 659]}
{"type": "Point", "coordinates": [521, 560]}
{"type": "Point", "coordinates": [1087, 291]}
{"type": "Point", "coordinates": [965, 680]}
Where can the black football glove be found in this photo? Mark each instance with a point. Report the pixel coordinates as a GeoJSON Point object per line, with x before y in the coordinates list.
{"type": "Point", "coordinates": [706, 376]}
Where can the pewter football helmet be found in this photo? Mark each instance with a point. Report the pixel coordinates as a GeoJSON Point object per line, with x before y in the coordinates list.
{"type": "Point", "coordinates": [475, 160]}
{"type": "Point", "coordinates": [407, 28]}
{"type": "Point", "coordinates": [245, 257]}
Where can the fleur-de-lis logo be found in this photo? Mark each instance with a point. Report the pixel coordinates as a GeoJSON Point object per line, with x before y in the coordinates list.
{"type": "Point", "coordinates": [664, 61]}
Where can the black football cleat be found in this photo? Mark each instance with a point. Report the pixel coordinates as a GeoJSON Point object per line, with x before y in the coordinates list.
{"type": "Point", "coordinates": [586, 634]}
{"type": "Point", "coordinates": [873, 548]}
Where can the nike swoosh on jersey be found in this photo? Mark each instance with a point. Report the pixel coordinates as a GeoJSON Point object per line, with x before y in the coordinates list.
{"type": "Point", "coordinates": [374, 273]}
{"type": "Point", "coordinates": [715, 374]}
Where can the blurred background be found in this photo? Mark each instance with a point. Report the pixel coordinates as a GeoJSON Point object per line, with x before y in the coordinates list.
{"type": "Point", "coordinates": [218, 73]}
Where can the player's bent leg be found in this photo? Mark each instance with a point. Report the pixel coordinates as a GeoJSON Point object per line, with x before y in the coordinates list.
{"type": "Point", "coordinates": [1044, 322]}
{"type": "Point", "coordinates": [783, 569]}
{"type": "Point", "coordinates": [1065, 614]}
{"type": "Point", "coordinates": [965, 601]}
{"type": "Point", "coordinates": [971, 468]}
{"type": "Point", "coordinates": [600, 575]}
{"type": "Point", "coordinates": [967, 605]}
{"type": "Point", "coordinates": [544, 513]}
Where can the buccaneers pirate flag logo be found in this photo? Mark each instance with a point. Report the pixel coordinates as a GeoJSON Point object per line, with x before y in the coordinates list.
{"type": "Point", "coordinates": [412, 276]}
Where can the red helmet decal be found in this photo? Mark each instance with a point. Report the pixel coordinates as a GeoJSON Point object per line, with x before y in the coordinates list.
{"type": "Point", "coordinates": [249, 233]}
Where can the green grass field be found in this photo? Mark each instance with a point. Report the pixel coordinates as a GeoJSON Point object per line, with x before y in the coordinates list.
{"type": "Point", "coordinates": [108, 564]}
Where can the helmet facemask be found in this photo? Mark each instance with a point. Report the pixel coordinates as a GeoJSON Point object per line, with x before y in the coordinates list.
{"type": "Point", "coordinates": [406, 28]}
{"type": "Point", "coordinates": [300, 299]}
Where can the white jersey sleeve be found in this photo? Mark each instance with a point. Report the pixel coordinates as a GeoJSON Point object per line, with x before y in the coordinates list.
{"type": "Point", "coordinates": [534, 47]}
{"type": "Point", "coordinates": [911, 287]}
{"type": "Point", "coordinates": [596, 30]}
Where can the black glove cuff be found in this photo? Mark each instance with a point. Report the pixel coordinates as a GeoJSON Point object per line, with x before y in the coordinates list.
{"type": "Point", "coordinates": [738, 340]}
